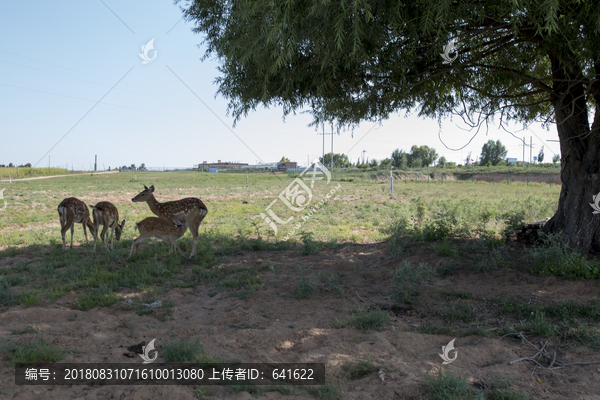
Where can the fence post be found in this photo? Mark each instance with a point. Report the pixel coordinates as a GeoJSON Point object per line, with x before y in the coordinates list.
{"type": "Point", "coordinates": [507, 177]}
{"type": "Point", "coordinates": [527, 178]}
{"type": "Point", "coordinates": [489, 178]}
{"type": "Point", "coordinates": [550, 180]}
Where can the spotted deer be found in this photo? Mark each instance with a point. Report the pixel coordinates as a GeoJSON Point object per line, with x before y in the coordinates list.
{"type": "Point", "coordinates": [166, 230]}
{"type": "Point", "coordinates": [190, 210]}
{"type": "Point", "coordinates": [107, 215]}
{"type": "Point", "coordinates": [71, 211]}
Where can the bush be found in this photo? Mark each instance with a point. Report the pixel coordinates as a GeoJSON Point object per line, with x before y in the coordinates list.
{"type": "Point", "coordinates": [554, 257]}
{"type": "Point", "coordinates": [410, 279]}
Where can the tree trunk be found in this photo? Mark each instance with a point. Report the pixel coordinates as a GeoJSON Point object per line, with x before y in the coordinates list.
{"type": "Point", "coordinates": [580, 161]}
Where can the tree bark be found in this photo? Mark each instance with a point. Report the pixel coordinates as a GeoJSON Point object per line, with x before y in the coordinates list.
{"type": "Point", "coordinates": [580, 160]}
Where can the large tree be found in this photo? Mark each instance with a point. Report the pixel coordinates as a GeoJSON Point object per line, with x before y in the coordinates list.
{"type": "Point", "coordinates": [351, 61]}
{"type": "Point", "coordinates": [492, 152]}
{"type": "Point", "coordinates": [421, 156]}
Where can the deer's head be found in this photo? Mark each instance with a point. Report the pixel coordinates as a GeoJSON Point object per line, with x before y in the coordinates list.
{"type": "Point", "coordinates": [119, 230]}
{"type": "Point", "coordinates": [144, 195]}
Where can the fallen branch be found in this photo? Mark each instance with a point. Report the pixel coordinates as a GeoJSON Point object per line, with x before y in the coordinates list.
{"type": "Point", "coordinates": [541, 354]}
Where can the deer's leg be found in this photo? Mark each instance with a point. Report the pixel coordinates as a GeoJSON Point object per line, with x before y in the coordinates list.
{"type": "Point", "coordinates": [72, 231]}
{"type": "Point", "coordinates": [136, 244]}
{"type": "Point", "coordinates": [84, 223]}
{"type": "Point", "coordinates": [63, 230]}
{"type": "Point", "coordinates": [194, 229]}
{"type": "Point", "coordinates": [104, 236]}
{"type": "Point", "coordinates": [174, 244]}
{"type": "Point", "coordinates": [112, 232]}
{"type": "Point", "coordinates": [95, 233]}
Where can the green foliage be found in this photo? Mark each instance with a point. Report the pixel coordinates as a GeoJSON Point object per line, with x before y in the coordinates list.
{"type": "Point", "coordinates": [293, 55]}
{"type": "Point", "coordinates": [29, 299]}
{"type": "Point", "coordinates": [34, 350]}
{"type": "Point", "coordinates": [399, 159]}
{"type": "Point", "coordinates": [6, 297]}
{"type": "Point", "coordinates": [513, 220]}
{"type": "Point", "coordinates": [304, 289]}
{"type": "Point", "coordinates": [398, 230]}
{"type": "Point", "coordinates": [553, 257]}
{"type": "Point", "coordinates": [458, 312]}
{"type": "Point", "coordinates": [181, 351]}
{"type": "Point", "coordinates": [358, 368]}
{"type": "Point", "coordinates": [369, 319]}
{"type": "Point", "coordinates": [309, 246]}
{"type": "Point", "coordinates": [493, 153]}
{"type": "Point", "coordinates": [410, 279]}
{"type": "Point", "coordinates": [102, 297]}
{"type": "Point", "coordinates": [339, 160]}
{"type": "Point", "coordinates": [331, 390]}
{"type": "Point", "coordinates": [445, 386]}
{"type": "Point", "coordinates": [24, 331]}
{"type": "Point", "coordinates": [421, 156]}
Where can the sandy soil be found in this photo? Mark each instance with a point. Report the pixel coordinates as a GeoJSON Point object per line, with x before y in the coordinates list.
{"type": "Point", "coordinates": [285, 329]}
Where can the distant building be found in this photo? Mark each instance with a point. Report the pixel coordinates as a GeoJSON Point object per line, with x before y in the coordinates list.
{"type": "Point", "coordinates": [222, 164]}
{"type": "Point", "coordinates": [284, 166]}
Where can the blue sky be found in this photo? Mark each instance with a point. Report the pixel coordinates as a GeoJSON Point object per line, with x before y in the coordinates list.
{"type": "Point", "coordinates": [58, 59]}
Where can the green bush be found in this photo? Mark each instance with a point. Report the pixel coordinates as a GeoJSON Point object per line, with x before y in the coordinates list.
{"type": "Point", "coordinates": [554, 257]}
{"type": "Point", "coordinates": [410, 279]}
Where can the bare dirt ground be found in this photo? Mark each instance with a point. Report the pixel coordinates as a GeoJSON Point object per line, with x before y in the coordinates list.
{"type": "Point", "coordinates": [282, 328]}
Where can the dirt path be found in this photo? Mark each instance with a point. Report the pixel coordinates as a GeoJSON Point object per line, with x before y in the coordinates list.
{"type": "Point", "coordinates": [58, 176]}
{"type": "Point", "coordinates": [281, 328]}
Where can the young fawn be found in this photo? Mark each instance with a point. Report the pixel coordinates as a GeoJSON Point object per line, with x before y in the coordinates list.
{"type": "Point", "coordinates": [190, 210]}
{"type": "Point", "coordinates": [107, 215]}
{"type": "Point", "coordinates": [71, 211]}
{"type": "Point", "coordinates": [169, 231]}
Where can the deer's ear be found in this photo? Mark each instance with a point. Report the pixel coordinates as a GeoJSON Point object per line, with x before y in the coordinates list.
{"type": "Point", "coordinates": [123, 224]}
{"type": "Point", "coordinates": [151, 189]}
{"type": "Point", "coordinates": [145, 187]}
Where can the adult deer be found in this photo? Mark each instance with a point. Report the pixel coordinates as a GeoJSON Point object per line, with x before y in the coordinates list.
{"type": "Point", "coordinates": [191, 210]}
{"type": "Point", "coordinates": [107, 215]}
{"type": "Point", "coordinates": [71, 211]}
{"type": "Point", "coordinates": [169, 231]}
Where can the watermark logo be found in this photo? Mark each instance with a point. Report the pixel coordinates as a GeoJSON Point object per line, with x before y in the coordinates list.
{"type": "Point", "coordinates": [298, 195]}
{"type": "Point", "coordinates": [595, 205]}
{"type": "Point", "coordinates": [446, 54]}
{"type": "Point", "coordinates": [145, 50]}
{"type": "Point", "coordinates": [2, 198]}
{"type": "Point", "coordinates": [147, 349]}
{"type": "Point", "coordinates": [447, 349]}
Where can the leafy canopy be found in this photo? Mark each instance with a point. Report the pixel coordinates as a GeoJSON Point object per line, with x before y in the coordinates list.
{"type": "Point", "coordinates": [358, 60]}
{"type": "Point", "coordinates": [492, 153]}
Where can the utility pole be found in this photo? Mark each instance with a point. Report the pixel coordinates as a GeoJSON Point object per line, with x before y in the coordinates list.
{"type": "Point", "coordinates": [48, 163]}
{"type": "Point", "coordinates": [524, 144]}
{"type": "Point", "coordinates": [332, 146]}
{"type": "Point", "coordinates": [364, 151]}
{"type": "Point", "coordinates": [323, 143]}
{"type": "Point", "coordinates": [530, 148]}
{"type": "Point", "coordinates": [95, 162]}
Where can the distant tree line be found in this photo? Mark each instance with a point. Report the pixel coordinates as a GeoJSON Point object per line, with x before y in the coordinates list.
{"type": "Point", "coordinates": [11, 165]}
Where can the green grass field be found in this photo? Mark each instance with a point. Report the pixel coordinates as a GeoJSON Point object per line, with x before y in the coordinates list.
{"type": "Point", "coordinates": [393, 254]}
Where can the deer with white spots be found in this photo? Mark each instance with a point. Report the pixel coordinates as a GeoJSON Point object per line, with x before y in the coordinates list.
{"type": "Point", "coordinates": [169, 231]}
{"type": "Point", "coordinates": [107, 215]}
{"type": "Point", "coordinates": [71, 211]}
{"type": "Point", "coordinates": [190, 210]}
